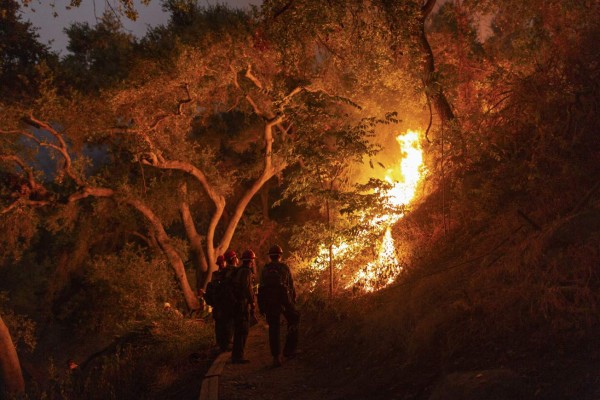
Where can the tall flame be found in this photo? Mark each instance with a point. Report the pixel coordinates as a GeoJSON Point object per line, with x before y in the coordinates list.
{"type": "Point", "coordinates": [404, 179]}
{"type": "Point", "coordinates": [383, 271]}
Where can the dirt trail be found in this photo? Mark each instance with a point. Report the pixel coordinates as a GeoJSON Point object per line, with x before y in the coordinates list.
{"type": "Point", "coordinates": [258, 380]}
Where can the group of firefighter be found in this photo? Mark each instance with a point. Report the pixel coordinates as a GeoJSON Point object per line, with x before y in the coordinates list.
{"type": "Point", "coordinates": [231, 294]}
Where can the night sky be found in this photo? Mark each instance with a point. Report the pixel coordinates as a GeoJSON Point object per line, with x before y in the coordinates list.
{"type": "Point", "coordinates": [51, 28]}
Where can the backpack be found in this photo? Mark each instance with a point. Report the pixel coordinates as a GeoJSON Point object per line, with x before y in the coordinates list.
{"type": "Point", "coordinates": [273, 291]}
{"type": "Point", "coordinates": [220, 292]}
{"type": "Point", "coordinates": [271, 276]}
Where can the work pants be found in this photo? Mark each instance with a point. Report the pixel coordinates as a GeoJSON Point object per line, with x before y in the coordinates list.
{"type": "Point", "coordinates": [241, 327]}
{"type": "Point", "coordinates": [223, 330]}
{"type": "Point", "coordinates": [292, 317]}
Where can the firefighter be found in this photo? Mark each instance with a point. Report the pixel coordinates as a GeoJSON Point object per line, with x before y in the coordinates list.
{"type": "Point", "coordinates": [216, 296]}
{"type": "Point", "coordinates": [245, 307]}
{"type": "Point", "coordinates": [277, 296]}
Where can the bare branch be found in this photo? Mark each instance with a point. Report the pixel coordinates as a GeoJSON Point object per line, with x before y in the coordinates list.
{"type": "Point", "coordinates": [235, 80]}
{"type": "Point", "coordinates": [257, 111]}
{"type": "Point", "coordinates": [179, 108]}
{"type": "Point", "coordinates": [27, 203]}
{"type": "Point", "coordinates": [283, 9]}
{"type": "Point", "coordinates": [36, 187]}
{"type": "Point", "coordinates": [253, 78]}
{"type": "Point", "coordinates": [430, 120]}
{"type": "Point", "coordinates": [62, 148]}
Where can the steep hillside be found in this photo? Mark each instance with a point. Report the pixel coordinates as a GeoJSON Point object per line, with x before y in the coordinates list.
{"type": "Point", "coordinates": [507, 308]}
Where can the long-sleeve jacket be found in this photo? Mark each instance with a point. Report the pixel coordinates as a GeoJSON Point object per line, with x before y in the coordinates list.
{"type": "Point", "coordinates": [245, 284]}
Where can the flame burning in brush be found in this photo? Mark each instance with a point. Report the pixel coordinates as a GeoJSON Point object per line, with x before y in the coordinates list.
{"type": "Point", "coordinates": [404, 180]}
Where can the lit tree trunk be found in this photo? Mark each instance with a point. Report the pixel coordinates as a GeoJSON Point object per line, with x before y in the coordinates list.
{"type": "Point", "coordinates": [10, 369]}
{"type": "Point", "coordinates": [270, 169]}
{"type": "Point", "coordinates": [264, 202]}
{"type": "Point", "coordinates": [434, 91]}
{"type": "Point", "coordinates": [198, 256]}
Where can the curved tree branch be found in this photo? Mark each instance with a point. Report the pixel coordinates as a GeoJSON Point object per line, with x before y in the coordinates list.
{"type": "Point", "coordinates": [427, 8]}
{"type": "Point", "coordinates": [198, 256]}
{"type": "Point", "coordinates": [35, 187]}
{"type": "Point", "coordinates": [62, 148]}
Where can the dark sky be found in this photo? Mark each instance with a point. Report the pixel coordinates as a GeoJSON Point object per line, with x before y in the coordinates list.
{"type": "Point", "coordinates": [51, 28]}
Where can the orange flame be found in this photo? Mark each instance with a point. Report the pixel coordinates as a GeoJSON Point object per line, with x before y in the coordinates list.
{"type": "Point", "coordinates": [384, 271]}
{"type": "Point", "coordinates": [404, 179]}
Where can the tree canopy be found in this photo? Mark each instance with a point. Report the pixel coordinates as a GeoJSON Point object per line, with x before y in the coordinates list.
{"type": "Point", "coordinates": [230, 129]}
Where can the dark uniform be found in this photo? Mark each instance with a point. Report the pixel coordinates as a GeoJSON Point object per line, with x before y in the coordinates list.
{"type": "Point", "coordinates": [223, 314]}
{"type": "Point", "coordinates": [243, 282]}
{"type": "Point", "coordinates": [273, 305]}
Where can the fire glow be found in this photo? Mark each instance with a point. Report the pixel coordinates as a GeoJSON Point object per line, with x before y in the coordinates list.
{"type": "Point", "coordinates": [404, 180]}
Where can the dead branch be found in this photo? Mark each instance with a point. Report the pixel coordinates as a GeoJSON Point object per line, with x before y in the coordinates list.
{"type": "Point", "coordinates": [178, 109]}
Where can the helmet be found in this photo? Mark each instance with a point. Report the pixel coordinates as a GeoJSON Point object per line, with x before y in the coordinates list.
{"type": "Point", "coordinates": [220, 260]}
{"type": "Point", "coordinates": [248, 255]}
{"type": "Point", "coordinates": [275, 249]}
{"type": "Point", "coordinates": [229, 255]}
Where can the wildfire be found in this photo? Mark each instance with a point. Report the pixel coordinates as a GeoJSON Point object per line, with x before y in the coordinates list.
{"type": "Point", "coordinates": [386, 268]}
{"type": "Point", "coordinates": [381, 272]}
{"type": "Point", "coordinates": [404, 180]}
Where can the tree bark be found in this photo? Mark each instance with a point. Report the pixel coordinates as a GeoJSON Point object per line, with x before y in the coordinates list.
{"type": "Point", "coordinates": [196, 249]}
{"type": "Point", "coordinates": [10, 368]}
{"type": "Point", "coordinates": [433, 88]}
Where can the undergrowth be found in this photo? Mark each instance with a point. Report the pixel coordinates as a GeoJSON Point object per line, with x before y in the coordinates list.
{"type": "Point", "coordinates": [157, 361]}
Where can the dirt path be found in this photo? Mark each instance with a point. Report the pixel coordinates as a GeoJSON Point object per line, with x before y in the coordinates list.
{"type": "Point", "coordinates": [258, 380]}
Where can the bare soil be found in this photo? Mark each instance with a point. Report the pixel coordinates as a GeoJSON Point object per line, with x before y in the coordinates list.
{"type": "Point", "coordinates": [259, 380]}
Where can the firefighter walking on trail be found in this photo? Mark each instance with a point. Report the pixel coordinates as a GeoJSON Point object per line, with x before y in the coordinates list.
{"type": "Point", "coordinates": [245, 306]}
{"type": "Point", "coordinates": [276, 296]}
{"type": "Point", "coordinates": [219, 295]}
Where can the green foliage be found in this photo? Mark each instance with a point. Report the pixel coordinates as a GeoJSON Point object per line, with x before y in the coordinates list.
{"type": "Point", "coordinates": [151, 363]}
{"type": "Point", "coordinates": [20, 54]}
{"type": "Point", "coordinates": [100, 56]}
{"type": "Point", "coordinates": [116, 290]}
{"type": "Point", "coordinates": [22, 329]}
{"type": "Point", "coordinates": [19, 229]}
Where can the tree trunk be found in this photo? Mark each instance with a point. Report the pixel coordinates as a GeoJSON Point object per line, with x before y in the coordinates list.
{"type": "Point", "coordinates": [264, 202]}
{"type": "Point", "coordinates": [170, 252]}
{"type": "Point", "coordinates": [433, 88]}
{"type": "Point", "coordinates": [196, 249]}
{"type": "Point", "coordinates": [10, 369]}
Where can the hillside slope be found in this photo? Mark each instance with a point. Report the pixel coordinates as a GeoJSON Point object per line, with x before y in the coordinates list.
{"type": "Point", "coordinates": [506, 308]}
